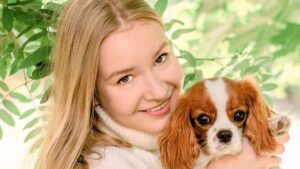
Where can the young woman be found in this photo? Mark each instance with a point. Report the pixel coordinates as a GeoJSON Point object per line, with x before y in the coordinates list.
{"type": "Point", "coordinates": [116, 81]}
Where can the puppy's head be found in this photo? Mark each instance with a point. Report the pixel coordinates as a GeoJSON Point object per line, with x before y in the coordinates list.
{"type": "Point", "coordinates": [212, 118]}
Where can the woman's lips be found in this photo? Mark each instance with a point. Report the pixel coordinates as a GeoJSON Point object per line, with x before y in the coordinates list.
{"type": "Point", "coordinates": [159, 110]}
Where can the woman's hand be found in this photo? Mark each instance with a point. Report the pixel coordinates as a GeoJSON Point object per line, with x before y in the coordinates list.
{"type": "Point", "coordinates": [247, 159]}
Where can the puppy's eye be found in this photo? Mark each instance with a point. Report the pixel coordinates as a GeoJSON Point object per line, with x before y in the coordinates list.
{"type": "Point", "coordinates": [239, 116]}
{"type": "Point", "coordinates": [203, 120]}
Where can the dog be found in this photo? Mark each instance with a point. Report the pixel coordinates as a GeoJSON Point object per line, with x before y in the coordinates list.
{"type": "Point", "coordinates": [213, 118]}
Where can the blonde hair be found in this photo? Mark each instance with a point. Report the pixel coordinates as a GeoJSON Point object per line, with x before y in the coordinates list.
{"type": "Point", "coordinates": [73, 128]}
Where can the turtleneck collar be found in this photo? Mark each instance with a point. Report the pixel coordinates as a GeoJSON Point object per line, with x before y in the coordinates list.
{"type": "Point", "coordinates": [143, 140]}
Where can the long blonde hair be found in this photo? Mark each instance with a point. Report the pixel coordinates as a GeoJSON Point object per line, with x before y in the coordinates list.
{"type": "Point", "coordinates": [73, 127]}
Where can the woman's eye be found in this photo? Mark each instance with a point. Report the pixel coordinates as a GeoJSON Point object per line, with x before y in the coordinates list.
{"type": "Point", "coordinates": [203, 120]}
{"type": "Point", "coordinates": [125, 79]}
{"type": "Point", "coordinates": [239, 116]}
{"type": "Point", "coordinates": [160, 59]}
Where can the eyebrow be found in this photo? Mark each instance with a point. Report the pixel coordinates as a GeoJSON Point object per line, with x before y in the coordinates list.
{"type": "Point", "coordinates": [123, 71]}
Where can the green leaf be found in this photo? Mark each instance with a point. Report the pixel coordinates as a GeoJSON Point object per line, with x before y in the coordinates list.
{"type": "Point", "coordinates": [3, 70]}
{"type": "Point", "coordinates": [229, 74]}
{"type": "Point", "coordinates": [35, 146]}
{"type": "Point", "coordinates": [33, 38]}
{"type": "Point", "coordinates": [232, 61]}
{"type": "Point", "coordinates": [16, 63]}
{"type": "Point", "coordinates": [219, 72]}
{"type": "Point", "coordinates": [242, 65]}
{"type": "Point", "coordinates": [29, 71]}
{"type": "Point", "coordinates": [55, 7]}
{"type": "Point", "coordinates": [34, 86]}
{"type": "Point", "coordinates": [27, 113]}
{"type": "Point", "coordinates": [252, 69]}
{"type": "Point", "coordinates": [199, 74]}
{"type": "Point", "coordinates": [288, 38]}
{"type": "Point", "coordinates": [7, 19]}
{"type": "Point", "coordinates": [1, 96]}
{"type": "Point", "coordinates": [7, 118]}
{"type": "Point", "coordinates": [3, 86]}
{"type": "Point", "coordinates": [14, 67]}
{"type": "Point", "coordinates": [188, 78]}
{"type": "Point", "coordinates": [32, 134]}
{"type": "Point", "coordinates": [1, 133]}
{"type": "Point", "coordinates": [161, 6]}
{"type": "Point", "coordinates": [180, 32]}
{"type": "Point", "coordinates": [199, 62]}
{"type": "Point", "coordinates": [37, 56]}
{"type": "Point", "coordinates": [27, 29]}
{"type": "Point", "coordinates": [170, 24]}
{"type": "Point", "coordinates": [269, 87]}
{"type": "Point", "coordinates": [262, 61]}
{"type": "Point", "coordinates": [11, 1]}
{"type": "Point", "coordinates": [39, 96]}
{"type": "Point", "coordinates": [46, 40]}
{"type": "Point", "coordinates": [27, 18]}
{"type": "Point", "coordinates": [36, 3]}
{"type": "Point", "coordinates": [42, 71]}
{"type": "Point", "coordinates": [265, 77]}
{"type": "Point", "coordinates": [9, 48]}
{"type": "Point", "coordinates": [46, 95]}
{"type": "Point", "coordinates": [47, 84]}
{"type": "Point", "coordinates": [188, 56]}
{"type": "Point", "coordinates": [31, 123]}
{"type": "Point", "coordinates": [11, 107]}
{"type": "Point", "coordinates": [20, 97]}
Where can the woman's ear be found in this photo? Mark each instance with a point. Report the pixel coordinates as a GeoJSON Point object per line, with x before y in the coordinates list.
{"type": "Point", "coordinates": [257, 129]}
{"type": "Point", "coordinates": [178, 145]}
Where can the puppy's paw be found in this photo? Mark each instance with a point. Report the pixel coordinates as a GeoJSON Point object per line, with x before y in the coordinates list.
{"type": "Point", "coordinates": [275, 168]}
{"type": "Point", "coordinates": [280, 125]}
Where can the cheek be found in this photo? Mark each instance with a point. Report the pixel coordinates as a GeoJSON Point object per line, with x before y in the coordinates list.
{"type": "Point", "coordinates": [119, 101]}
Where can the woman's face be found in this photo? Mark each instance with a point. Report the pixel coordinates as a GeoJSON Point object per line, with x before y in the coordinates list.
{"type": "Point", "coordinates": [140, 77]}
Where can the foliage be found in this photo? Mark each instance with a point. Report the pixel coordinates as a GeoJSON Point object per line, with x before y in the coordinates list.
{"type": "Point", "coordinates": [238, 37]}
{"type": "Point", "coordinates": [26, 33]}
{"type": "Point", "coordinates": [212, 38]}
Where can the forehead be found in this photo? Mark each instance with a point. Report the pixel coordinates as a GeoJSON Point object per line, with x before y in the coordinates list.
{"type": "Point", "coordinates": [131, 43]}
{"type": "Point", "coordinates": [209, 94]}
{"type": "Point", "coordinates": [200, 100]}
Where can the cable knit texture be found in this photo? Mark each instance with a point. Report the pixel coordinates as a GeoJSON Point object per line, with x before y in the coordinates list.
{"type": "Point", "coordinates": [142, 155]}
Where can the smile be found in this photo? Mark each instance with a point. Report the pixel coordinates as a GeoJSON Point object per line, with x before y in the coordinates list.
{"type": "Point", "coordinates": [161, 109]}
{"type": "Point", "coordinates": [158, 107]}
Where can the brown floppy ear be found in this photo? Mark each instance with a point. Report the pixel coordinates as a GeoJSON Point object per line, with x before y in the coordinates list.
{"type": "Point", "coordinates": [257, 129]}
{"type": "Point", "coordinates": [178, 144]}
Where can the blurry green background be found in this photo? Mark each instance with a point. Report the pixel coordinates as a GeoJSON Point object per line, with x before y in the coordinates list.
{"type": "Point", "coordinates": [232, 38]}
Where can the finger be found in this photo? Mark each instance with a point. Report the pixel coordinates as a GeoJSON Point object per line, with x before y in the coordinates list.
{"type": "Point", "coordinates": [279, 149]}
{"type": "Point", "coordinates": [282, 139]}
{"type": "Point", "coordinates": [274, 161]}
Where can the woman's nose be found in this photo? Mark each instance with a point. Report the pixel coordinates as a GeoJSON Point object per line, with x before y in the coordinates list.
{"type": "Point", "coordinates": [155, 88]}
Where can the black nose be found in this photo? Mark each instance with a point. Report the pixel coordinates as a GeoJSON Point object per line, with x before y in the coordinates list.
{"type": "Point", "coordinates": [224, 136]}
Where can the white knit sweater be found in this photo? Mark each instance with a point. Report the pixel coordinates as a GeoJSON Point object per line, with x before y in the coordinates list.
{"type": "Point", "coordinates": [142, 155]}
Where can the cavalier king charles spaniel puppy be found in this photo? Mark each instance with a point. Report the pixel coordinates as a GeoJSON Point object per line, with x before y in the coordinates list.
{"type": "Point", "coordinates": [211, 120]}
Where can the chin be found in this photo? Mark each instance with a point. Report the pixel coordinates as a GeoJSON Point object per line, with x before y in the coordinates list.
{"type": "Point", "coordinates": [213, 118]}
